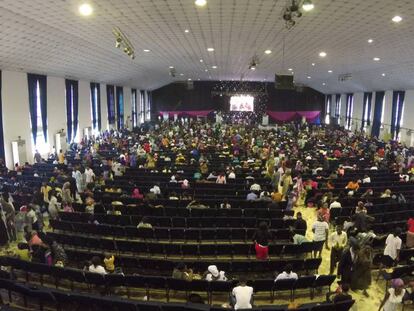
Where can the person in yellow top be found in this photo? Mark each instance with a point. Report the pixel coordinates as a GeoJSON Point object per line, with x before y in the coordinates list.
{"type": "Point", "coordinates": [61, 157]}
{"type": "Point", "coordinates": [109, 262]}
{"type": "Point", "coordinates": [276, 196]}
{"type": "Point", "coordinates": [45, 191]}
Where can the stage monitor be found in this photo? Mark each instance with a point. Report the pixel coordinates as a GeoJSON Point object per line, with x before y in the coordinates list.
{"type": "Point", "coordinates": [242, 103]}
{"type": "Point", "coordinates": [284, 82]}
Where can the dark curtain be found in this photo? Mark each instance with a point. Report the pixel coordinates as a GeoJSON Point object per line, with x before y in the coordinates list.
{"type": "Point", "coordinates": [120, 106]}
{"type": "Point", "coordinates": [328, 103]}
{"type": "Point", "coordinates": [98, 105]}
{"type": "Point", "coordinates": [376, 124]}
{"type": "Point", "coordinates": [43, 103]}
{"type": "Point", "coordinates": [134, 107]}
{"type": "Point", "coordinates": [349, 104]}
{"type": "Point", "coordinates": [1, 126]}
{"type": "Point", "coordinates": [110, 104]}
{"type": "Point", "coordinates": [93, 104]}
{"type": "Point", "coordinates": [32, 87]}
{"type": "Point", "coordinates": [396, 114]}
{"type": "Point", "coordinates": [68, 88]}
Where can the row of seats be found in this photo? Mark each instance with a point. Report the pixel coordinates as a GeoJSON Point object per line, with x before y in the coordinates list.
{"type": "Point", "coordinates": [183, 250]}
{"type": "Point", "coordinates": [148, 283]}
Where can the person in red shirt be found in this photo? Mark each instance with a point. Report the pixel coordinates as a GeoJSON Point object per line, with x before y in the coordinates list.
{"type": "Point", "coordinates": [410, 233]}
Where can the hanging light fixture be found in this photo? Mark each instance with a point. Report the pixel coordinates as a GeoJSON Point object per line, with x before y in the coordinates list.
{"type": "Point", "coordinates": [308, 5]}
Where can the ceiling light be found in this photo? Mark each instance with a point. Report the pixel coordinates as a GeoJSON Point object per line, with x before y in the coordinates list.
{"type": "Point", "coordinates": [200, 2]}
{"type": "Point", "coordinates": [330, 71]}
{"type": "Point", "coordinates": [376, 59]}
{"type": "Point", "coordinates": [201, 60]}
{"type": "Point", "coordinates": [370, 40]}
{"type": "Point", "coordinates": [85, 9]}
{"type": "Point", "coordinates": [322, 54]}
{"type": "Point", "coordinates": [146, 51]}
{"type": "Point", "coordinates": [397, 19]}
{"type": "Point", "coordinates": [324, 84]}
{"type": "Point", "coordinates": [252, 68]}
{"type": "Point", "coordinates": [214, 67]}
{"type": "Point", "coordinates": [268, 52]}
{"type": "Point", "coordinates": [290, 69]}
{"type": "Point", "coordinates": [189, 79]}
{"type": "Point", "coordinates": [313, 64]}
{"type": "Point", "coordinates": [206, 70]}
{"type": "Point", "coordinates": [181, 74]}
{"type": "Point", "coordinates": [309, 77]}
{"type": "Point", "coordinates": [383, 74]}
{"type": "Point", "coordinates": [210, 49]}
{"type": "Point", "coordinates": [171, 67]}
{"type": "Point", "coordinates": [307, 5]}
{"type": "Point", "coordinates": [186, 31]}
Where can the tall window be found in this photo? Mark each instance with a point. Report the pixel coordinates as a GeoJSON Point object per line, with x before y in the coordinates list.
{"type": "Point", "coordinates": [349, 110]}
{"type": "Point", "coordinates": [134, 107]}
{"type": "Point", "coordinates": [366, 114]}
{"type": "Point", "coordinates": [41, 145]}
{"type": "Point", "coordinates": [328, 109]}
{"type": "Point", "coordinates": [338, 103]}
{"type": "Point", "coordinates": [141, 107]}
{"type": "Point", "coordinates": [148, 103]}
{"type": "Point", "coordinates": [73, 134]}
{"type": "Point", "coordinates": [383, 112]}
{"type": "Point", "coordinates": [95, 108]}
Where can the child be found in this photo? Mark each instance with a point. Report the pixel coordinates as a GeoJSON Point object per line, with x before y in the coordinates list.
{"type": "Point", "coordinates": [109, 262]}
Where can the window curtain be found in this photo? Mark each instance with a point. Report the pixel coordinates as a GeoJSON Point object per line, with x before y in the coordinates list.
{"type": "Point", "coordinates": [120, 106]}
{"type": "Point", "coordinates": [328, 105]}
{"type": "Point", "coordinates": [366, 110]}
{"type": "Point", "coordinates": [134, 107]}
{"type": "Point", "coordinates": [96, 105]}
{"type": "Point", "coordinates": [110, 100]}
{"type": "Point", "coordinates": [43, 102]}
{"type": "Point", "coordinates": [337, 107]}
{"type": "Point", "coordinates": [32, 87]}
{"type": "Point", "coordinates": [396, 113]}
{"type": "Point", "coordinates": [1, 126]}
{"type": "Point", "coordinates": [376, 124]}
{"type": "Point", "coordinates": [72, 108]}
{"type": "Point", "coordinates": [141, 107]}
{"type": "Point", "coordinates": [349, 109]}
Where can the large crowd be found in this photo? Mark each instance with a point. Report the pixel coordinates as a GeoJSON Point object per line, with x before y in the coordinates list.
{"type": "Point", "coordinates": [291, 165]}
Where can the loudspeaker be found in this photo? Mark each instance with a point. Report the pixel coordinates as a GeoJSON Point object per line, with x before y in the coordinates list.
{"type": "Point", "coordinates": [284, 82]}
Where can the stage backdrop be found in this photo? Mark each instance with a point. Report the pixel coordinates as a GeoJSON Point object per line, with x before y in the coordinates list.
{"type": "Point", "coordinates": [178, 96]}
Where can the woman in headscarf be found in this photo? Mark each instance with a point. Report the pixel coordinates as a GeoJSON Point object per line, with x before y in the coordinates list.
{"type": "Point", "coordinates": [394, 296]}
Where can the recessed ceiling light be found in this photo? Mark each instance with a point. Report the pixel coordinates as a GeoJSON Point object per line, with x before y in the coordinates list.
{"type": "Point", "coordinates": [146, 51]}
{"type": "Point", "coordinates": [200, 2]}
{"type": "Point", "coordinates": [307, 5]}
{"type": "Point", "coordinates": [313, 64]}
{"type": "Point", "coordinates": [214, 67]}
{"type": "Point", "coordinates": [324, 84]}
{"type": "Point", "coordinates": [189, 79]}
{"type": "Point", "coordinates": [322, 54]}
{"type": "Point", "coordinates": [201, 61]}
{"type": "Point", "coordinates": [370, 40]}
{"type": "Point", "coordinates": [330, 71]}
{"type": "Point", "coordinates": [186, 31]}
{"type": "Point", "coordinates": [210, 49]}
{"type": "Point", "coordinates": [85, 9]}
{"type": "Point", "coordinates": [290, 69]}
{"type": "Point", "coordinates": [181, 74]}
{"type": "Point", "coordinates": [383, 74]}
{"type": "Point", "coordinates": [397, 19]}
{"type": "Point", "coordinates": [268, 52]}
{"type": "Point", "coordinates": [171, 67]}
{"type": "Point", "coordinates": [206, 70]}
{"type": "Point", "coordinates": [376, 59]}
{"type": "Point", "coordinates": [309, 77]}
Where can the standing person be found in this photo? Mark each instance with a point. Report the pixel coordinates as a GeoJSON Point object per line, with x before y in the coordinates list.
{"type": "Point", "coordinates": [346, 264]}
{"type": "Point", "coordinates": [4, 235]}
{"type": "Point", "coordinates": [300, 223]}
{"type": "Point", "coordinates": [392, 248]}
{"type": "Point", "coordinates": [61, 157]}
{"type": "Point", "coordinates": [261, 240]}
{"type": "Point", "coordinates": [361, 276]}
{"type": "Point", "coordinates": [337, 242]}
{"type": "Point", "coordinates": [53, 207]}
{"type": "Point", "coordinates": [66, 194]}
{"type": "Point", "coordinates": [410, 233]}
{"type": "Point", "coordinates": [320, 229]}
{"type": "Point", "coordinates": [10, 215]}
{"type": "Point", "coordinates": [89, 175]}
{"type": "Point", "coordinates": [241, 295]}
{"type": "Point", "coordinates": [393, 297]}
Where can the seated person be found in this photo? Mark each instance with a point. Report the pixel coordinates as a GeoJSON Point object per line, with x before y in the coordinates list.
{"type": "Point", "coordinates": [181, 272]}
{"type": "Point", "coordinates": [341, 294]}
{"type": "Point", "coordinates": [96, 266]}
{"type": "Point", "coordinates": [144, 223]}
{"type": "Point", "coordinates": [241, 295]}
{"type": "Point", "coordinates": [213, 274]}
{"type": "Point", "coordinates": [287, 274]}
{"type": "Point", "coordinates": [109, 262]}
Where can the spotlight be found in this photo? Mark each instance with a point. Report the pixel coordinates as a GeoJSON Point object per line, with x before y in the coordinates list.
{"type": "Point", "coordinates": [307, 5]}
{"type": "Point", "coordinates": [121, 41]}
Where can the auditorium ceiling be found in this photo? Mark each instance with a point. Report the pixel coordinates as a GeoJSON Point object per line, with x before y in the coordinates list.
{"type": "Point", "coordinates": [50, 37]}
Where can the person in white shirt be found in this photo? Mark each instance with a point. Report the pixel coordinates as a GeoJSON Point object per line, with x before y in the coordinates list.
{"type": "Point", "coordinates": [287, 274]}
{"type": "Point", "coordinates": [337, 242]}
{"type": "Point", "coordinates": [241, 296]}
{"type": "Point", "coordinates": [90, 175]}
{"type": "Point", "coordinates": [232, 175]}
{"type": "Point", "coordinates": [335, 204]}
{"type": "Point", "coordinates": [366, 179]}
{"type": "Point", "coordinates": [96, 267]}
{"type": "Point", "coordinates": [213, 274]}
{"type": "Point", "coordinates": [320, 230]}
{"type": "Point", "coordinates": [392, 248]}
{"type": "Point", "coordinates": [255, 187]}
{"type": "Point", "coordinates": [156, 190]}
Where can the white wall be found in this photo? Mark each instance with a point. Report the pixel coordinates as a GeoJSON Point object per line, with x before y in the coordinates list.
{"type": "Point", "coordinates": [16, 115]}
